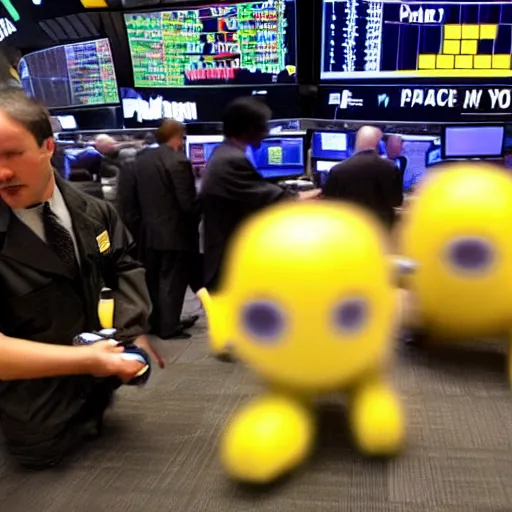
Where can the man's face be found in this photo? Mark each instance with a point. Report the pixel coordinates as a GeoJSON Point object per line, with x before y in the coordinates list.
{"type": "Point", "coordinates": [26, 174]}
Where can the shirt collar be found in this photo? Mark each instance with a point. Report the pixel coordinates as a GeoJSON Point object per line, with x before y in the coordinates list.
{"type": "Point", "coordinates": [55, 201]}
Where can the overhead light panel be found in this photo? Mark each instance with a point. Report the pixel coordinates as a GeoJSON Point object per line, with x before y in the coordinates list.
{"type": "Point", "coordinates": [15, 15]}
{"type": "Point", "coordinates": [94, 4]}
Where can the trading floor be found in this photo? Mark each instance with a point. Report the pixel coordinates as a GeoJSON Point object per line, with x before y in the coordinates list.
{"type": "Point", "coordinates": [159, 452]}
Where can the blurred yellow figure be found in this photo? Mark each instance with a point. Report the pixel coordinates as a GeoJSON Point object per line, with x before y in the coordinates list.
{"type": "Point", "coordinates": [307, 301]}
{"type": "Point", "coordinates": [458, 233]}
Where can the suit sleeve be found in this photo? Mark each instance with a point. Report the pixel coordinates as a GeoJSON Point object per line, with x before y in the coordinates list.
{"type": "Point", "coordinates": [127, 199]}
{"type": "Point", "coordinates": [330, 188]}
{"type": "Point", "coordinates": [243, 184]}
{"type": "Point", "coordinates": [182, 179]}
{"type": "Point", "coordinates": [391, 185]}
{"type": "Point", "coordinates": [127, 281]}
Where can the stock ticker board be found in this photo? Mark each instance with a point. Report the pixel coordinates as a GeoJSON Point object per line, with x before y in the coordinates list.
{"type": "Point", "coordinates": [410, 39]}
{"type": "Point", "coordinates": [236, 44]}
{"type": "Point", "coordinates": [91, 73]}
{"type": "Point", "coordinates": [72, 75]}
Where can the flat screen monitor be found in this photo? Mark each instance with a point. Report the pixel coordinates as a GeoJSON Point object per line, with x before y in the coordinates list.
{"type": "Point", "coordinates": [382, 39]}
{"type": "Point", "coordinates": [280, 157]}
{"type": "Point", "coordinates": [473, 141]}
{"type": "Point", "coordinates": [199, 149]}
{"type": "Point", "coordinates": [68, 122]}
{"type": "Point", "coordinates": [412, 162]}
{"type": "Point", "coordinates": [321, 169]}
{"type": "Point", "coordinates": [324, 165]}
{"type": "Point", "coordinates": [434, 156]}
{"type": "Point", "coordinates": [331, 145]}
{"type": "Point", "coordinates": [249, 43]}
{"type": "Point", "coordinates": [72, 75]}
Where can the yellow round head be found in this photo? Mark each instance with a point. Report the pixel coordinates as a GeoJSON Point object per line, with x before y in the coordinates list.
{"type": "Point", "coordinates": [458, 232]}
{"type": "Point", "coordinates": [307, 295]}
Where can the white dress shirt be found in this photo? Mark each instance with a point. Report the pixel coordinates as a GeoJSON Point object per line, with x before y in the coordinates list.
{"type": "Point", "coordinates": [33, 217]}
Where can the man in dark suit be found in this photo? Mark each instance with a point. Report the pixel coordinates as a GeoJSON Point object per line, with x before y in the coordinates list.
{"type": "Point", "coordinates": [127, 199]}
{"type": "Point", "coordinates": [58, 249]}
{"type": "Point", "coordinates": [367, 179]}
{"type": "Point", "coordinates": [170, 227]}
{"type": "Point", "coordinates": [232, 189]}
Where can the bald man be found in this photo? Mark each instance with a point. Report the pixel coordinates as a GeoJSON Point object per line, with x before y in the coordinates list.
{"type": "Point", "coordinates": [105, 144]}
{"type": "Point", "coordinates": [366, 179]}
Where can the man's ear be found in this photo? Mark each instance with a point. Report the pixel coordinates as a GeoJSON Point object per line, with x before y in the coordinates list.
{"type": "Point", "coordinates": [49, 146]}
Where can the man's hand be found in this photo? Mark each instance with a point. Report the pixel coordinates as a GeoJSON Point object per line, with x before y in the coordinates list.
{"type": "Point", "coordinates": [307, 195]}
{"type": "Point", "coordinates": [105, 360]}
{"type": "Point", "coordinates": [144, 343]}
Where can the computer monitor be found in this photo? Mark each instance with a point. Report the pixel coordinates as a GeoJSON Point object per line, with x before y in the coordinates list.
{"type": "Point", "coordinates": [321, 169]}
{"type": "Point", "coordinates": [199, 149]}
{"type": "Point", "coordinates": [72, 75]}
{"type": "Point", "coordinates": [332, 145]}
{"type": "Point", "coordinates": [413, 160]}
{"type": "Point", "coordinates": [280, 157]}
{"type": "Point", "coordinates": [67, 122]}
{"type": "Point", "coordinates": [217, 43]}
{"type": "Point", "coordinates": [433, 156]}
{"type": "Point", "coordinates": [481, 141]}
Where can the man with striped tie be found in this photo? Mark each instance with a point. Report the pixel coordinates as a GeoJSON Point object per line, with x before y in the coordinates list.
{"type": "Point", "coordinates": [58, 249]}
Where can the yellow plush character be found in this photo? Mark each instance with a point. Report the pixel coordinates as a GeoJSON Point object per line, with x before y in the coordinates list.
{"type": "Point", "coordinates": [307, 302]}
{"type": "Point", "coordinates": [457, 233]}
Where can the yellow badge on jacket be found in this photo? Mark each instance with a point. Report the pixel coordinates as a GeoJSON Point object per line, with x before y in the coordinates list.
{"type": "Point", "coordinates": [103, 242]}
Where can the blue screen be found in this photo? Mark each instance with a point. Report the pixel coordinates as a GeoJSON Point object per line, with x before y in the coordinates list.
{"type": "Point", "coordinates": [332, 145]}
{"type": "Point", "coordinates": [280, 157]}
{"type": "Point", "coordinates": [199, 150]}
{"type": "Point", "coordinates": [434, 156]}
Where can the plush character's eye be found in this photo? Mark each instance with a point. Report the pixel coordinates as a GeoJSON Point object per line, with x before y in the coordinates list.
{"type": "Point", "coordinates": [351, 315]}
{"type": "Point", "coordinates": [470, 254]}
{"type": "Point", "coordinates": [263, 320]}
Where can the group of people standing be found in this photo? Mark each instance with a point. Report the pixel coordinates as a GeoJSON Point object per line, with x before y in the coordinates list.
{"type": "Point", "coordinates": [160, 203]}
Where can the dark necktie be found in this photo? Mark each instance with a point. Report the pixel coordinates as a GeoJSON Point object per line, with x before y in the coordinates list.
{"type": "Point", "coordinates": [59, 239]}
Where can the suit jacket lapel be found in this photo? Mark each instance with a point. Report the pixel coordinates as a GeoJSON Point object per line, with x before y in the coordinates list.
{"type": "Point", "coordinates": [86, 230]}
{"type": "Point", "coordinates": [23, 245]}
{"type": "Point", "coordinates": [85, 227]}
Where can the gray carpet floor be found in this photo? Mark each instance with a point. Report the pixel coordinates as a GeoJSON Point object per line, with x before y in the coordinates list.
{"type": "Point", "coordinates": [159, 450]}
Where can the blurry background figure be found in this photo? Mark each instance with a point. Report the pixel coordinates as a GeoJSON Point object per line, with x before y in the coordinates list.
{"type": "Point", "coordinates": [89, 159]}
{"type": "Point", "coordinates": [59, 155]}
{"type": "Point", "coordinates": [410, 176]}
{"type": "Point", "coordinates": [82, 180]}
{"type": "Point", "coordinates": [169, 224]}
{"type": "Point", "coordinates": [110, 152]}
{"type": "Point", "coordinates": [367, 179]}
{"type": "Point", "coordinates": [9, 60]}
{"type": "Point", "coordinates": [127, 200]}
{"type": "Point", "coordinates": [232, 189]}
{"type": "Point", "coordinates": [394, 149]}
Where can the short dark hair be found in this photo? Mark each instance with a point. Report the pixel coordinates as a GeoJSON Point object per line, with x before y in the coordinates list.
{"type": "Point", "coordinates": [27, 111]}
{"type": "Point", "coordinates": [244, 116]}
{"type": "Point", "coordinates": [169, 129]}
{"type": "Point", "coordinates": [149, 138]}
